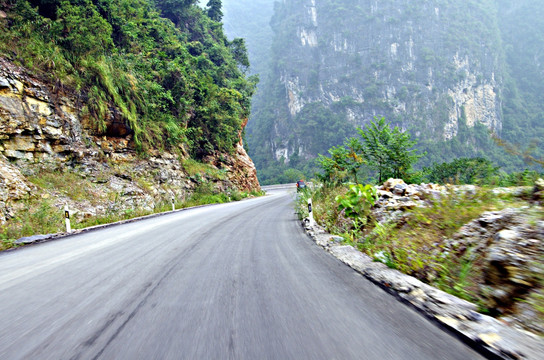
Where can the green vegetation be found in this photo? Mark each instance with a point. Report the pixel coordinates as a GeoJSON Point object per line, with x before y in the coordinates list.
{"type": "Point", "coordinates": [197, 169]}
{"type": "Point", "coordinates": [384, 151]}
{"type": "Point", "coordinates": [418, 242]}
{"type": "Point", "coordinates": [38, 216]}
{"type": "Point", "coordinates": [380, 153]}
{"type": "Point", "coordinates": [43, 213]}
{"type": "Point", "coordinates": [166, 67]}
{"type": "Point", "coordinates": [461, 171]}
{"type": "Point", "coordinates": [343, 161]}
{"type": "Point", "coordinates": [357, 202]}
{"type": "Point", "coordinates": [388, 151]}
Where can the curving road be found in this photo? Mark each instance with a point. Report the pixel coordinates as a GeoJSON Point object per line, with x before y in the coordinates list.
{"type": "Point", "coordinates": [232, 281]}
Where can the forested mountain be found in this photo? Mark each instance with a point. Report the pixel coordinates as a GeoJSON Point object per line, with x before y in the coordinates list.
{"type": "Point", "coordinates": [452, 73]}
{"type": "Point", "coordinates": [164, 69]}
{"type": "Point", "coordinates": [116, 109]}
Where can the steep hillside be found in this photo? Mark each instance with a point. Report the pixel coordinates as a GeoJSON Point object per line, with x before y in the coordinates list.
{"type": "Point", "coordinates": [116, 106]}
{"type": "Point", "coordinates": [437, 68]}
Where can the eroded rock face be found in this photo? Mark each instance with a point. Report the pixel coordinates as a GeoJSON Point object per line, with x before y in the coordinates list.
{"type": "Point", "coordinates": [395, 196]}
{"type": "Point", "coordinates": [242, 172]}
{"type": "Point", "coordinates": [37, 124]}
{"type": "Point", "coordinates": [42, 125]}
{"type": "Point", "coordinates": [373, 59]}
{"type": "Point", "coordinates": [507, 247]}
{"type": "Point", "coordinates": [13, 187]}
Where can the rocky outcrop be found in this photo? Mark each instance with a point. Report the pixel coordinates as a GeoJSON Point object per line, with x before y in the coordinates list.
{"type": "Point", "coordinates": [395, 196]}
{"type": "Point", "coordinates": [507, 248]}
{"type": "Point", "coordinates": [42, 125]}
{"type": "Point", "coordinates": [502, 251]}
{"type": "Point", "coordinates": [13, 188]}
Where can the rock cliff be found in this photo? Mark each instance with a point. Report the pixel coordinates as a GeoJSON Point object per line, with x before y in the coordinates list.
{"type": "Point", "coordinates": [436, 68]}
{"type": "Point", "coordinates": [42, 127]}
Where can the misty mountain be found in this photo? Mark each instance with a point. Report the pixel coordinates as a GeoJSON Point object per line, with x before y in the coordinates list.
{"type": "Point", "coordinates": [452, 73]}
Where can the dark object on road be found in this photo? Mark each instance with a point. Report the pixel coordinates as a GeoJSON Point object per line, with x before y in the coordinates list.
{"type": "Point", "coordinates": [301, 185]}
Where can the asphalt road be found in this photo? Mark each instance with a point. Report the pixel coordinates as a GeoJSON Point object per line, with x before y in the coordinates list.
{"type": "Point", "coordinates": [232, 281]}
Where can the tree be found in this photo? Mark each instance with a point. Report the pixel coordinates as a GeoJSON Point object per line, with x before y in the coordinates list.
{"type": "Point", "coordinates": [81, 29]}
{"type": "Point", "coordinates": [355, 157]}
{"type": "Point", "coordinates": [334, 167]}
{"type": "Point", "coordinates": [388, 151]}
{"type": "Point", "coordinates": [376, 138]}
{"type": "Point", "coordinates": [239, 52]}
{"type": "Point", "coordinates": [345, 161]}
{"type": "Point", "coordinates": [463, 171]}
{"type": "Point", "coordinates": [400, 157]}
{"type": "Point", "coordinates": [214, 10]}
{"type": "Point", "coordinates": [174, 9]}
{"type": "Point", "coordinates": [384, 150]}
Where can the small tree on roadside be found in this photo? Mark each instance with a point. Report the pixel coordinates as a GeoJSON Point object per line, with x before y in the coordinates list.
{"type": "Point", "coordinates": [345, 161]}
{"type": "Point", "coordinates": [376, 136]}
{"type": "Point", "coordinates": [402, 156]}
{"type": "Point", "coordinates": [388, 151]}
{"type": "Point", "coordinates": [334, 167]}
{"type": "Point", "coordinates": [355, 157]}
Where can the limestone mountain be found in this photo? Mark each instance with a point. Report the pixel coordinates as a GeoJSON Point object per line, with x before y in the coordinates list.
{"type": "Point", "coordinates": [450, 72]}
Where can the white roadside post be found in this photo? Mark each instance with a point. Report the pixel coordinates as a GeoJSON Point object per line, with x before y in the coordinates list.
{"type": "Point", "coordinates": [173, 203]}
{"type": "Point", "coordinates": [67, 219]}
{"type": "Point", "coordinates": [311, 212]}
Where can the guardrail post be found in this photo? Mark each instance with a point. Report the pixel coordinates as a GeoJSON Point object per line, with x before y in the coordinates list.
{"type": "Point", "coordinates": [67, 219]}
{"type": "Point", "coordinates": [311, 212]}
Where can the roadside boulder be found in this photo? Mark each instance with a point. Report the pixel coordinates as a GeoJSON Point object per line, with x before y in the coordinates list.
{"type": "Point", "coordinates": [390, 184]}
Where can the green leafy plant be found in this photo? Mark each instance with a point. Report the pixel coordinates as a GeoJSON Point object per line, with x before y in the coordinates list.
{"type": "Point", "coordinates": [357, 202]}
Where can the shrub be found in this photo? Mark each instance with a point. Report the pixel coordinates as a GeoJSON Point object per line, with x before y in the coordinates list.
{"type": "Point", "coordinates": [357, 202]}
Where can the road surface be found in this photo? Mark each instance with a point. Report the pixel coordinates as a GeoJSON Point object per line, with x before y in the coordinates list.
{"type": "Point", "coordinates": [231, 281]}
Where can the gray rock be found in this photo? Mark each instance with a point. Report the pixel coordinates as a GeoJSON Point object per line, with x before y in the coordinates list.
{"type": "Point", "coordinates": [32, 239]}
{"type": "Point", "coordinates": [539, 185]}
{"type": "Point", "coordinates": [4, 83]}
{"type": "Point", "coordinates": [538, 191]}
{"type": "Point", "coordinates": [507, 235]}
{"type": "Point", "coordinates": [399, 189]}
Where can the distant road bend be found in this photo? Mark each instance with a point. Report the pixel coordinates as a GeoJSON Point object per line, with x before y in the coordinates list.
{"type": "Point", "coordinates": [231, 281]}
